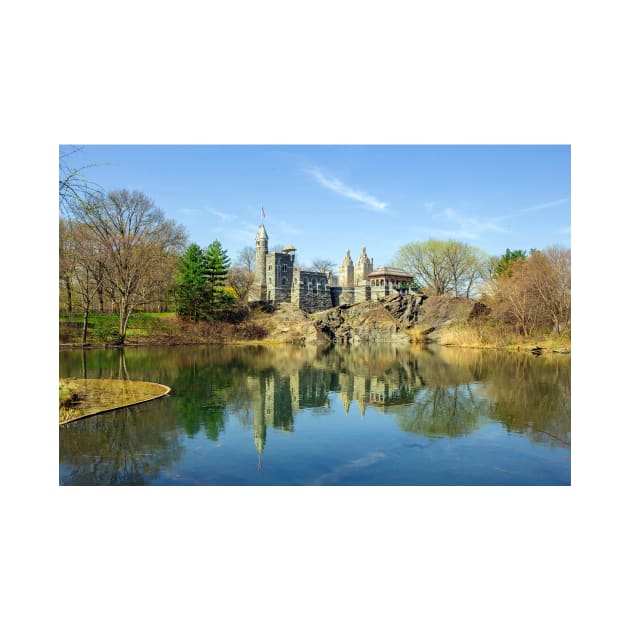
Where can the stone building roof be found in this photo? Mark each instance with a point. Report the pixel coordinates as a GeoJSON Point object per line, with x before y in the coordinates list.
{"type": "Point", "coordinates": [390, 271]}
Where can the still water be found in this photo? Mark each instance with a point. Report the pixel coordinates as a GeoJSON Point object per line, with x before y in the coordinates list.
{"type": "Point", "coordinates": [381, 415]}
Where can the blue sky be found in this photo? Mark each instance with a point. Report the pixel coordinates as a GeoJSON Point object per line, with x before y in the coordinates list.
{"type": "Point", "coordinates": [324, 199]}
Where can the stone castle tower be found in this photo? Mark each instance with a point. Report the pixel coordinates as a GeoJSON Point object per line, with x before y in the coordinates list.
{"type": "Point", "coordinates": [260, 259]}
{"type": "Point", "coordinates": [346, 271]}
{"type": "Point", "coordinates": [278, 279]}
{"type": "Point", "coordinates": [363, 268]}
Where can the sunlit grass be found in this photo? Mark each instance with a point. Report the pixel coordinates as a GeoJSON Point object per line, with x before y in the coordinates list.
{"type": "Point", "coordinates": [83, 397]}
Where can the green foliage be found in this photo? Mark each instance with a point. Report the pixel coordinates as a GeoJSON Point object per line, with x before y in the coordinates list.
{"type": "Point", "coordinates": [68, 394]}
{"type": "Point", "coordinates": [200, 286]}
{"type": "Point", "coordinates": [443, 267]}
{"type": "Point", "coordinates": [190, 289]}
{"type": "Point", "coordinates": [217, 265]}
{"type": "Point", "coordinates": [106, 332]}
{"type": "Point", "coordinates": [506, 262]}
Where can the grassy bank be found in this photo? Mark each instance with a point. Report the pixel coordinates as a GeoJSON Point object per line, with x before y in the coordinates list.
{"type": "Point", "coordinates": [157, 329]}
{"type": "Point", "coordinates": [266, 328]}
{"type": "Point", "coordinates": [85, 397]}
{"type": "Point", "coordinates": [487, 335]}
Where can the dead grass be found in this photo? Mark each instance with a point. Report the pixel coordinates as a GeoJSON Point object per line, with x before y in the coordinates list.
{"type": "Point", "coordinates": [93, 395]}
{"type": "Point", "coordinates": [489, 335]}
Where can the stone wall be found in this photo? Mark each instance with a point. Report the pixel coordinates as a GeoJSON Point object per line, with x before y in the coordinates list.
{"type": "Point", "coordinates": [346, 295]}
{"type": "Point", "coordinates": [310, 291]}
{"type": "Point", "coordinates": [279, 275]}
{"type": "Point", "coordinates": [335, 293]}
{"type": "Point", "coordinates": [362, 293]}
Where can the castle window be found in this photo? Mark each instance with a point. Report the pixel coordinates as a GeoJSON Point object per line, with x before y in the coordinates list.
{"type": "Point", "coordinates": [269, 267]}
{"type": "Point", "coordinates": [284, 267]}
{"type": "Point", "coordinates": [284, 280]}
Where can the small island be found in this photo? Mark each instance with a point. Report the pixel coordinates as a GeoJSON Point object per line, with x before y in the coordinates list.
{"type": "Point", "coordinates": [83, 397]}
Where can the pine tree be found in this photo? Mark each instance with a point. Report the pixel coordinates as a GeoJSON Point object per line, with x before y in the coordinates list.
{"type": "Point", "coordinates": [506, 262]}
{"type": "Point", "coordinates": [217, 265]}
{"type": "Point", "coordinates": [191, 291]}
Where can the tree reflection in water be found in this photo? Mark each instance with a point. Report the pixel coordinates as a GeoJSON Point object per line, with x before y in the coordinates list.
{"type": "Point", "coordinates": [434, 392]}
{"type": "Point", "coordinates": [124, 447]}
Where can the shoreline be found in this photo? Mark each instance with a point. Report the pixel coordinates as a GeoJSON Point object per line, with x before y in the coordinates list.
{"type": "Point", "coordinates": [527, 348]}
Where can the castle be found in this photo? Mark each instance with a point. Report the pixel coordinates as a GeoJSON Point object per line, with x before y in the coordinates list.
{"type": "Point", "coordinates": [278, 279]}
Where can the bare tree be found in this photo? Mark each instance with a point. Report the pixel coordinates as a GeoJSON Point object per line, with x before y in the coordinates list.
{"type": "Point", "coordinates": [74, 186]}
{"type": "Point", "coordinates": [246, 258]}
{"type": "Point", "coordinates": [536, 293]}
{"type": "Point", "coordinates": [427, 262]}
{"type": "Point", "coordinates": [323, 264]}
{"type": "Point", "coordinates": [134, 238]}
{"type": "Point", "coordinates": [241, 280]}
{"type": "Point", "coordinates": [442, 267]}
{"type": "Point", "coordinates": [66, 262]}
{"type": "Point", "coordinates": [550, 277]}
{"type": "Point", "coordinates": [86, 259]}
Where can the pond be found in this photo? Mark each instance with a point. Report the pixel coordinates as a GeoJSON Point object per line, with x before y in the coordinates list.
{"type": "Point", "coordinates": [289, 415]}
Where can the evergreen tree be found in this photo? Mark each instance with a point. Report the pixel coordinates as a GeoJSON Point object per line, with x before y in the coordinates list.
{"type": "Point", "coordinates": [191, 290]}
{"type": "Point", "coordinates": [217, 265]}
{"type": "Point", "coordinates": [504, 266]}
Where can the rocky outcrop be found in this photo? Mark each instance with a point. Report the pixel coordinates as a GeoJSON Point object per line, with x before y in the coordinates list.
{"type": "Point", "coordinates": [289, 324]}
{"type": "Point", "coordinates": [406, 309]}
{"type": "Point", "coordinates": [368, 322]}
{"type": "Point", "coordinates": [396, 319]}
{"type": "Point", "coordinates": [393, 319]}
{"type": "Point", "coordinates": [440, 312]}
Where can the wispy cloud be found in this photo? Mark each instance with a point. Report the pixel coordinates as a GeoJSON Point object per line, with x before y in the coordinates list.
{"type": "Point", "coordinates": [469, 227]}
{"type": "Point", "coordinates": [535, 208]}
{"type": "Point", "coordinates": [454, 234]}
{"type": "Point", "coordinates": [224, 216]}
{"type": "Point", "coordinates": [337, 186]}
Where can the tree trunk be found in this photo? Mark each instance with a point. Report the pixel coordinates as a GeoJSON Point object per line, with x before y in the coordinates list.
{"type": "Point", "coordinates": [101, 301]}
{"type": "Point", "coordinates": [86, 315]}
{"type": "Point", "coordinates": [125, 312]}
{"type": "Point", "coordinates": [68, 294]}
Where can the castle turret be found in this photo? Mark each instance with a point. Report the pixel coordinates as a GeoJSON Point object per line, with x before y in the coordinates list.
{"type": "Point", "coordinates": [346, 271]}
{"type": "Point", "coordinates": [259, 290]}
{"type": "Point", "coordinates": [363, 268]}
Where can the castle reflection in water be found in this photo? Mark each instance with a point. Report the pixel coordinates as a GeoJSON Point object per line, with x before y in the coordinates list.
{"type": "Point", "coordinates": [279, 394]}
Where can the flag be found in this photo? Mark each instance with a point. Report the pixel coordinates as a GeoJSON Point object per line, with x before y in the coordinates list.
{"type": "Point", "coordinates": [262, 213]}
